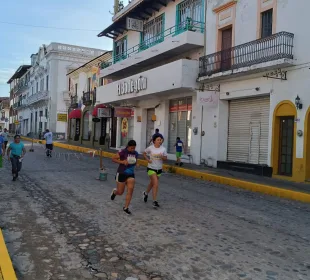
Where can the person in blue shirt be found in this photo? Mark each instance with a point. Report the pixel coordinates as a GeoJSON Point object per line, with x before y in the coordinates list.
{"type": "Point", "coordinates": [16, 153]}
{"type": "Point", "coordinates": [179, 147]}
{"type": "Point", "coordinates": [2, 150]}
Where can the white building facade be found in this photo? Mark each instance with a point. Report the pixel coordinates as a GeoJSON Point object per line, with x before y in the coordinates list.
{"type": "Point", "coordinates": [257, 65]}
{"type": "Point", "coordinates": [42, 101]}
{"type": "Point", "coordinates": [153, 73]}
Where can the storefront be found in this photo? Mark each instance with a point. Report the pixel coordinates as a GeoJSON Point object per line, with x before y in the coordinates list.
{"type": "Point", "coordinates": [180, 123]}
{"type": "Point", "coordinates": [248, 130]}
{"type": "Point", "coordinates": [126, 120]}
{"type": "Point", "coordinates": [75, 124]}
{"type": "Point", "coordinates": [100, 116]}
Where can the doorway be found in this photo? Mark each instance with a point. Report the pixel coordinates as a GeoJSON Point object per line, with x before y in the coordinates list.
{"type": "Point", "coordinates": [286, 146]}
{"type": "Point", "coordinates": [226, 49]}
{"type": "Point", "coordinates": [113, 132]}
{"type": "Point", "coordinates": [150, 126]}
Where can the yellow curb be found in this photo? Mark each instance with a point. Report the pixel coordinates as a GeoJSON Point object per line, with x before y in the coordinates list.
{"type": "Point", "coordinates": [254, 187]}
{"type": "Point", "coordinates": [6, 268]}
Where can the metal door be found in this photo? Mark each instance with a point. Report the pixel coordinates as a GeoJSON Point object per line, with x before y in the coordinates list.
{"type": "Point", "coordinates": [286, 146]}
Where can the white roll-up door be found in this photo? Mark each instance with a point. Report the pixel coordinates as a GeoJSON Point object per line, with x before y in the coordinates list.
{"type": "Point", "coordinates": [248, 130]}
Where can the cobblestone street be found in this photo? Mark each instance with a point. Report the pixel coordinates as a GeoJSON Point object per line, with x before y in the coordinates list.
{"type": "Point", "coordinates": [59, 223]}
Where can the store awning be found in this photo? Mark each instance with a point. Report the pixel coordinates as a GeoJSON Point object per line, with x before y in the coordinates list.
{"type": "Point", "coordinates": [95, 111]}
{"type": "Point", "coordinates": [75, 114]}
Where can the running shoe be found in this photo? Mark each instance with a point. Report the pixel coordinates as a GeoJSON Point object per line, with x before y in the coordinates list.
{"type": "Point", "coordinates": [145, 197]}
{"type": "Point", "coordinates": [113, 195]}
{"type": "Point", "coordinates": [127, 211]}
{"type": "Point", "coordinates": [155, 204]}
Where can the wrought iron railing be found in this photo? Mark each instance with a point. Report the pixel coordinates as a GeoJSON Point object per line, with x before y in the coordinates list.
{"type": "Point", "coordinates": [74, 101]}
{"type": "Point", "coordinates": [89, 98]}
{"type": "Point", "coordinates": [277, 46]}
{"type": "Point", "coordinates": [187, 25]}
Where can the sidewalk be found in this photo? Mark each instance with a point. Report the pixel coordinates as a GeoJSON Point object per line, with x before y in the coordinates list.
{"type": "Point", "coordinates": [265, 185]}
{"type": "Point", "coordinates": [6, 268]}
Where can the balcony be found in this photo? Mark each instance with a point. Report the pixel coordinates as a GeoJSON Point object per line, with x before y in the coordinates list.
{"type": "Point", "coordinates": [22, 85]}
{"type": "Point", "coordinates": [268, 53]}
{"type": "Point", "coordinates": [74, 102]}
{"type": "Point", "coordinates": [89, 98]}
{"type": "Point", "coordinates": [182, 75]}
{"type": "Point", "coordinates": [40, 96]}
{"type": "Point", "coordinates": [174, 41]}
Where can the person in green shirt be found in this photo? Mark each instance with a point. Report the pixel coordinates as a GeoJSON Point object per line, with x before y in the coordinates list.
{"type": "Point", "coordinates": [16, 152]}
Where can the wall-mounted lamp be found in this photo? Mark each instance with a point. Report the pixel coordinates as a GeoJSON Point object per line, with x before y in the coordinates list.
{"type": "Point", "coordinates": [298, 103]}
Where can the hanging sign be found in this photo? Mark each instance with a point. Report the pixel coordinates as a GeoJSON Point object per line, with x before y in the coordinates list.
{"type": "Point", "coordinates": [209, 99]}
{"type": "Point", "coordinates": [122, 112]}
{"type": "Point", "coordinates": [124, 127]}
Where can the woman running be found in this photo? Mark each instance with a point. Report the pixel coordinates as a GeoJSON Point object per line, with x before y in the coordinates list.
{"type": "Point", "coordinates": [125, 176]}
{"type": "Point", "coordinates": [155, 155]}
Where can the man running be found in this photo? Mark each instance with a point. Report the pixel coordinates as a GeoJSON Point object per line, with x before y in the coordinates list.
{"type": "Point", "coordinates": [156, 134]}
{"type": "Point", "coordinates": [16, 153]}
{"type": "Point", "coordinates": [5, 136]}
{"type": "Point", "coordinates": [48, 136]}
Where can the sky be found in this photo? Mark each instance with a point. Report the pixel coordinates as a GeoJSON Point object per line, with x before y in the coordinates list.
{"type": "Point", "coordinates": [18, 42]}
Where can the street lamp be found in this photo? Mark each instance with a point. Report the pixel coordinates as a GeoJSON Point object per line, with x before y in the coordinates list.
{"type": "Point", "coordinates": [298, 103]}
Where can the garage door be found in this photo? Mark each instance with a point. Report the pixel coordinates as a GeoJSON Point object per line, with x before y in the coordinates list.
{"type": "Point", "coordinates": [248, 130]}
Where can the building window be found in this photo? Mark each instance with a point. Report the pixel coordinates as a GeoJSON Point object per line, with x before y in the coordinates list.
{"type": "Point", "coordinates": [153, 31]}
{"type": "Point", "coordinates": [37, 87]}
{"type": "Point", "coordinates": [76, 88]}
{"type": "Point", "coordinates": [120, 49]}
{"type": "Point", "coordinates": [189, 9]}
{"type": "Point", "coordinates": [42, 84]}
{"type": "Point", "coordinates": [87, 123]}
{"type": "Point", "coordinates": [88, 84]}
{"type": "Point", "coordinates": [101, 82]}
{"type": "Point", "coordinates": [47, 78]}
{"type": "Point", "coordinates": [69, 82]}
{"type": "Point", "coordinates": [32, 91]}
{"type": "Point", "coordinates": [266, 19]}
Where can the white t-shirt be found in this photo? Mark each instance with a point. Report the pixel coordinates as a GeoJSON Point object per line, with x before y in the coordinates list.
{"type": "Point", "coordinates": [48, 137]}
{"type": "Point", "coordinates": [155, 155]}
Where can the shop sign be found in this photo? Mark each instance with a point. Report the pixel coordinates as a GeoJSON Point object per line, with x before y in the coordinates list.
{"type": "Point", "coordinates": [104, 112]}
{"type": "Point", "coordinates": [62, 117]}
{"type": "Point", "coordinates": [16, 122]}
{"type": "Point", "coordinates": [132, 86]}
{"type": "Point", "coordinates": [124, 128]}
{"type": "Point", "coordinates": [209, 99]}
{"type": "Point", "coordinates": [122, 112]}
{"type": "Point", "coordinates": [181, 108]}
{"type": "Point", "coordinates": [77, 127]}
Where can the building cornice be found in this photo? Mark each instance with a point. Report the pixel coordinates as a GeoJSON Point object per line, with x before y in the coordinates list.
{"type": "Point", "coordinates": [225, 6]}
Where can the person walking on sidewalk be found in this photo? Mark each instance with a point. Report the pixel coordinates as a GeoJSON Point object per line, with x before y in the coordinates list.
{"type": "Point", "coordinates": [125, 176]}
{"type": "Point", "coordinates": [179, 147]}
{"type": "Point", "coordinates": [16, 153]}
{"type": "Point", "coordinates": [5, 136]}
{"type": "Point", "coordinates": [48, 136]}
{"type": "Point", "coordinates": [155, 155]}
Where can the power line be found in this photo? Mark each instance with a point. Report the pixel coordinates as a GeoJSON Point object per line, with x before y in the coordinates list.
{"type": "Point", "coordinates": [48, 27]}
